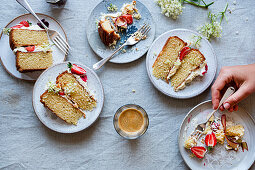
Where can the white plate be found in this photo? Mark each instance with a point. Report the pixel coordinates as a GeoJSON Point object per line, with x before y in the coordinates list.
{"type": "Point", "coordinates": [8, 58]}
{"type": "Point", "coordinates": [132, 52]}
{"type": "Point", "coordinates": [219, 158]}
{"type": "Point", "coordinates": [51, 120]}
{"type": "Point", "coordinates": [198, 85]}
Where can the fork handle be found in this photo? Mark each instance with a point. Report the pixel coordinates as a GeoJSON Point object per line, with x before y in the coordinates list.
{"type": "Point", "coordinates": [100, 63]}
{"type": "Point", "coordinates": [26, 5]}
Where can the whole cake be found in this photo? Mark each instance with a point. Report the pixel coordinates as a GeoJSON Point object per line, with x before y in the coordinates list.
{"type": "Point", "coordinates": [69, 96]}
{"type": "Point", "coordinates": [31, 46]}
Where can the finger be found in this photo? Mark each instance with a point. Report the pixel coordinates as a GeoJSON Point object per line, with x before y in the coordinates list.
{"type": "Point", "coordinates": [238, 96]}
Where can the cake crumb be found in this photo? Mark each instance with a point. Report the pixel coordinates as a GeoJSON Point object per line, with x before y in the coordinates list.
{"type": "Point", "coordinates": [237, 32]}
{"type": "Point", "coordinates": [136, 49]}
{"type": "Point", "coordinates": [123, 50]}
{"type": "Point", "coordinates": [247, 19]}
{"type": "Point", "coordinates": [234, 2]}
{"type": "Point", "coordinates": [133, 90]}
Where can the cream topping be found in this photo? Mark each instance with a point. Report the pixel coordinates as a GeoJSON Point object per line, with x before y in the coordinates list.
{"type": "Point", "coordinates": [32, 27]}
{"type": "Point", "coordinates": [173, 70]}
{"type": "Point", "coordinates": [193, 74]}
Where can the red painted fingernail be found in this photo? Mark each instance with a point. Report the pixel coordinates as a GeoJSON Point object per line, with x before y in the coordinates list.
{"type": "Point", "coordinates": [226, 105]}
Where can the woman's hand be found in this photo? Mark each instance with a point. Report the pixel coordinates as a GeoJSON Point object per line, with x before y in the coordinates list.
{"type": "Point", "coordinates": [241, 77]}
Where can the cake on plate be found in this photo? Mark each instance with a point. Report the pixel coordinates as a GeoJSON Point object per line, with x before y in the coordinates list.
{"type": "Point", "coordinates": [31, 46]}
{"type": "Point", "coordinates": [69, 97]}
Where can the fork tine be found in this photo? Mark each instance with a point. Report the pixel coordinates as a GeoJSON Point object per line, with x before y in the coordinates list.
{"type": "Point", "coordinates": [145, 29]}
{"type": "Point", "coordinates": [61, 43]}
{"type": "Point", "coordinates": [59, 46]}
{"type": "Point", "coordinates": [63, 40]}
{"type": "Point", "coordinates": [142, 27]}
{"type": "Point", "coordinates": [146, 33]}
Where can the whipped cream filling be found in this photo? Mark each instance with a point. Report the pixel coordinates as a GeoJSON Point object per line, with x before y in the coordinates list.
{"type": "Point", "coordinates": [85, 85]}
{"type": "Point", "coordinates": [37, 49]}
{"type": "Point", "coordinates": [192, 76]}
{"type": "Point", "coordinates": [32, 27]}
{"type": "Point", "coordinates": [173, 70]}
{"type": "Point", "coordinates": [112, 15]}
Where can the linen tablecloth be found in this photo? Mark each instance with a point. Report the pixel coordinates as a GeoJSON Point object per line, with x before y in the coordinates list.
{"type": "Point", "coordinates": [25, 143]}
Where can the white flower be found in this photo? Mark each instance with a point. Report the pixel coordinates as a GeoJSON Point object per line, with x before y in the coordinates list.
{"type": "Point", "coordinates": [6, 31]}
{"type": "Point", "coordinates": [210, 30]}
{"type": "Point", "coordinates": [112, 8]}
{"type": "Point", "coordinates": [52, 87]}
{"type": "Point", "coordinates": [195, 41]}
{"type": "Point", "coordinates": [171, 8]}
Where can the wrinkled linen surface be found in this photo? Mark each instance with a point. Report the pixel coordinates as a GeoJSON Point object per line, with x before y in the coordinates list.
{"type": "Point", "coordinates": [25, 143]}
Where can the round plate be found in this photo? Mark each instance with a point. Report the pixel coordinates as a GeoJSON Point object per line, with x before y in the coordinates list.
{"type": "Point", "coordinates": [219, 158]}
{"type": "Point", "coordinates": [132, 52]}
{"type": "Point", "coordinates": [48, 118]}
{"type": "Point", "coordinates": [199, 84]}
{"type": "Point", "coordinates": [8, 58]}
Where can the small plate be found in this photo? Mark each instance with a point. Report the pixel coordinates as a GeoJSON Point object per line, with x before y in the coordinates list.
{"type": "Point", "coordinates": [198, 85]}
{"type": "Point", "coordinates": [132, 52]}
{"type": "Point", "coordinates": [8, 58]}
{"type": "Point", "coordinates": [48, 118]}
{"type": "Point", "coordinates": [219, 158]}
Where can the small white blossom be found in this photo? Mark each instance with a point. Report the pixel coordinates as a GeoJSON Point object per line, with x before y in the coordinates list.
{"type": "Point", "coordinates": [195, 41]}
{"type": "Point", "coordinates": [210, 30]}
{"type": "Point", "coordinates": [112, 8]}
{"type": "Point", "coordinates": [6, 31]}
{"type": "Point", "coordinates": [52, 87]}
{"type": "Point", "coordinates": [171, 8]}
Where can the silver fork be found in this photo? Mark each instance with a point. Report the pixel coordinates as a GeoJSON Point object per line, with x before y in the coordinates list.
{"type": "Point", "coordinates": [58, 40]}
{"type": "Point", "coordinates": [132, 40]}
{"type": "Point", "coordinates": [227, 94]}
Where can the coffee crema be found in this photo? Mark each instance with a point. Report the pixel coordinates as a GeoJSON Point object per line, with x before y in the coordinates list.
{"type": "Point", "coordinates": [131, 120]}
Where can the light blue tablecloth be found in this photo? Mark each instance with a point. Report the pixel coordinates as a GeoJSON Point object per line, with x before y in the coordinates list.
{"type": "Point", "coordinates": [25, 143]}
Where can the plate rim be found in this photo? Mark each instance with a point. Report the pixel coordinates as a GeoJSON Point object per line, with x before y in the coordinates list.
{"type": "Point", "coordinates": [18, 18]}
{"type": "Point", "coordinates": [101, 87]}
{"type": "Point", "coordinates": [172, 95]}
{"type": "Point", "coordinates": [199, 104]}
{"type": "Point", "coordinates": [116, 62]}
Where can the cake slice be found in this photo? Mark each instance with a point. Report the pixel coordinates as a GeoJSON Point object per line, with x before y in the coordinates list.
{"type": "Point", "coordinates": [61, 107]}
{"type": "Point", "coordinates": [167, 57]}
{"type": "Point", "coordinates": [78, 93]}
{"type": "Point", "coordinates": [192, 65]}
{"type": "Point", "coordinates": [26, 37]}
{"type": "Point", "coordinates": [107, 33]}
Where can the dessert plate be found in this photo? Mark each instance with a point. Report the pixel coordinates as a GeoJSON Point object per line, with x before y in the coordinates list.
{"type": "Point", "coordinates": [132, 52]}
{"type": "Point", "coordinates": [219, 158]}
{"type": "Point", "coordinates": [8, 58]}
{"type": "Point", "coordinates": [48, 118]}
{"type": "Point", "coordinates": [198, 85]}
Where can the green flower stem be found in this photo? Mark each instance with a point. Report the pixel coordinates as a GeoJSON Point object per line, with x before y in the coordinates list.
{"type": "Point", "coordinates": [223, 14]}
{"type": "Point", "coordinates": [203, 6]}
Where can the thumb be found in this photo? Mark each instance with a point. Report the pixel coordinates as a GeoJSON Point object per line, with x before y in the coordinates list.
{"type": "Point", "coordinates": [238, 96]}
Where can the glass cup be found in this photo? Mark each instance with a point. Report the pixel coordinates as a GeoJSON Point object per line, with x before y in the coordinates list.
{"type": "Point", "coordinates": [131, 135]}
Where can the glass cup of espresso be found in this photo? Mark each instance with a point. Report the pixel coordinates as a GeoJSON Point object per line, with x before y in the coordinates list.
{"type": "Point", "coordinates": [131, 121]}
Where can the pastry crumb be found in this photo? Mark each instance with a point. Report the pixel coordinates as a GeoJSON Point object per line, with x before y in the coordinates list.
{"type": "Point", "coordinates": [133, 90]}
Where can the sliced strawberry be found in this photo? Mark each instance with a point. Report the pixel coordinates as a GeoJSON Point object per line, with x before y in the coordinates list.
{"type": "Point", "coordinates": [206, 68]}
{"type": "Point", "coordinates": [17, 26]}
{"type": "Point", "coordinates": [183, 52]}
{"type": "Point", "coordinates": [61, 93]}
{"type": "Point", "coordinates": [25, 23]}
{"type": "Point", "coordinates": [121, 22]}
{"type": "Point", "coordinates": [76, 69]}
{"type": "Point", "coordinates": [129, 18]}
{"type": "Point", "coordinates": [84, 78]}
{"type": "Point", "coordinates": [233, 144]}
{"type": "Point", "coordinates": [198, 151]}
{"type": "Point", "coordinates": [30, 48]}
{"type": "Point", "coordinates": [223, 122]}
{"type": "Point", "coordinates": [210, 140]}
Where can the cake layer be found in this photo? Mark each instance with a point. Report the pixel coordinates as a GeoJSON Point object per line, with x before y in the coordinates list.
{"type": "Point", "coordinates": [192, 61]}
{"type": "Point", "coordinates": [76, 91]}
{"type": "Point", "coordinates": [32, 61]}
{"type": "Point", "coordinates": [107, 34]}
{"type": "Point", "coordinates": [26, 37]}
{"type": "Point", "coordinates": [61, 107]}
{"type": "Point", "coordinates": [167, 57]}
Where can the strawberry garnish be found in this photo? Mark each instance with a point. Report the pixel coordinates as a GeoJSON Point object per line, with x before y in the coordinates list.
{"type": "Point", "coordinates": [128, 17]}
{"type": "Point", "coordinates": [76, 69]}
{"type": "Point", "coordinates": [17, 26]}
{"type": "Point", "coordinates": [198, 151]}
{"type": "Point", "coordinates": [24, 23]}
{"type": "Point", "coordinates": [30, 48]}
{"type": "Point", "coordinates": [223, 122]}
{"type": "Point", "coordinates": [61, 93]}
{"type": "Point", "coordinates": [183, 52]}
{"type": "Point", "coordinates": [84, 78]}
{"type": "Point", "coordinates": [210, 140]}
{"type": "Point", "coordinates": [206, 68]}
{"type": "Point", "coordinates": [231, 143]}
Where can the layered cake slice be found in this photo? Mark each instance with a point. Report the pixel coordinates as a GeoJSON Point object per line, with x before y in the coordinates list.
{"type": "Point", "coordinates": [78, 92]}
{"type": "Point", "coordinates": [31, 46]}
{"type": "Point", "coordinates": [33, 58]}
{"type": "Point", "coordinates": [192, 65]}
{"type": "Point", "coordinates": [167, 57]}
{"type": "Point", "coordinates": [61, 107]}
